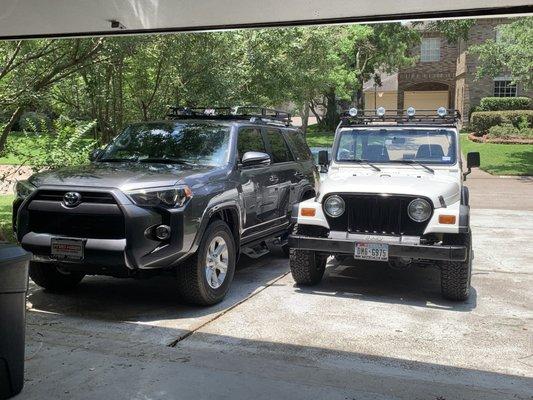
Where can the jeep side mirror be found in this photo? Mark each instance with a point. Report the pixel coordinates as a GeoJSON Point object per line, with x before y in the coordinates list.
{"type": "Point", "coordinates": [95, 154]}
{"type": "Point", "coordinates": [255, 158]}
{"type": "Point", "coordinates": [323, 158]}
{"type": "Point", "coordinates": [473, 160]}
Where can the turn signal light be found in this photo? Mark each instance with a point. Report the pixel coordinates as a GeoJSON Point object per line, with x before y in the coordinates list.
{"type": "Point", "coordinates": [447, 219]}
{"type": "Point", "coordinates": [307, 212]}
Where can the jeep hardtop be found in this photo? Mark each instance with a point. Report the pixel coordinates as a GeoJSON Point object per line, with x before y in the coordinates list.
{"type": "Point", "coordinates": [393, 193]}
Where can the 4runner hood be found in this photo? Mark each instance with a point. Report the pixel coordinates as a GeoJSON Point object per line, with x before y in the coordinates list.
{"type": "Point", "coordinates": [431, 186]}
{"type": "Point", "coordinates": [125, 176]}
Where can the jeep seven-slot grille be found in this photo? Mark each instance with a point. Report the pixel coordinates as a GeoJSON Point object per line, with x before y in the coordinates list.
{"type": "Point", "coordinates": [74, 223]}
{"type": "Point", "coordinates": [377, 214]}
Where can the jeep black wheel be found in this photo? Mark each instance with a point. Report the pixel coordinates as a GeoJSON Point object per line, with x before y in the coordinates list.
{"type": "Point", "coordinates": [307, 267]}
{"type": "Point", "coordinates": [205, 278]}
{"type": "Point", "coordinates": [455, 276]}
{"type": "Point", "coordinates": [53, 278]}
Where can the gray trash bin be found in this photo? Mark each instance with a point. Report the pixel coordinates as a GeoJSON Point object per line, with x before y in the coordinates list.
{"type": "Point", "coordinates": [13, 286]}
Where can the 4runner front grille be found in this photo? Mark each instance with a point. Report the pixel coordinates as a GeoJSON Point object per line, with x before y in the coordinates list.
{"type": "Point", "coordinates": [86, 197]}
{"type": "Point", "coordinates": [376, 214]}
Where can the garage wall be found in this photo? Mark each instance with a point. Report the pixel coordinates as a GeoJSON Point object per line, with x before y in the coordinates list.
{"type": "Point", "coordinates": [426, 100]}
{"type": "Point", "coordinates": [389, 100]}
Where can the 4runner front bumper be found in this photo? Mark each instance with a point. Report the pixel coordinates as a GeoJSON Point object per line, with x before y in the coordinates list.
{"type": "Point", "coordinates": [347, 246]}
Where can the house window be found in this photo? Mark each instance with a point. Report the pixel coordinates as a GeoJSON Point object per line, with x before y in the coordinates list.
{"type": "Point", "coordinates": [430, 49]}
{"type": "Point", "coordinates": [504, 88]}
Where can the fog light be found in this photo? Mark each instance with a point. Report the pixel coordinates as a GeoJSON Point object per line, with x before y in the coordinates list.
{"type": "Point", "coordinates": [411, 112]}
{"type": "Point", "coordinates": [162, 232]}
{"type": "Point", "coordinates": [308, 212]}
{"type": "Point", "coordinates": [447, 219]}
{"type": "Point", "coordinates": [352, 112]}
{"type": "Point", "coordinates": [380, 112]}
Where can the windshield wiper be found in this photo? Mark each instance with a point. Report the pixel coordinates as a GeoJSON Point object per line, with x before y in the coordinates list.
{"type": "Point", "coordinates": [357, 160]}
{"type": "Point", "coordinates": [163, 160]}
{"type": "Point", "coordinates": [414, 162]}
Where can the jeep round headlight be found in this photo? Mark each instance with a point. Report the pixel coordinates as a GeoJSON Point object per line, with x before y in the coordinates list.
{"type": "Point", "coordinates": [334, 206]}
{"type": "Point", "coordinates": [419, 210]}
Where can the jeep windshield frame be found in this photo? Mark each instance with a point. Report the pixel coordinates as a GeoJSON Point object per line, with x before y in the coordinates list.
{"type": "Point", "coordinates": [185, 143]}
{"type": "Point", "coordinates": [396, 145]}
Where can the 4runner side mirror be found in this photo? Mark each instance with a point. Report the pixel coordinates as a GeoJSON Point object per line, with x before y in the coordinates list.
{"type": "Point", "coordinates": [255, 158]}
{"type": "Point", "coordinates": [95, 154]}
{"type": "Point", "coordinates": [473, 160]}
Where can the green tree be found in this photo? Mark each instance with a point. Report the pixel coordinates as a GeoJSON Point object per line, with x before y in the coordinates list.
{"type": "Point", "coordinates": [511, 53]}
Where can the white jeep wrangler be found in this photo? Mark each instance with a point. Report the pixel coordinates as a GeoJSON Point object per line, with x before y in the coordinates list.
{"type": "Point", "coordinates": [393, 193]}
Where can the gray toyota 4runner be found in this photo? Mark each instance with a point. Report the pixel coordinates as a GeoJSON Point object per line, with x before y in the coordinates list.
{"type": "Point", "coordinates": [186, 196]}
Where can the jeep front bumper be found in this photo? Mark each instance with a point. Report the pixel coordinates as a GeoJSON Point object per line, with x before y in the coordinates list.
{"type": "Point", "coordinates": [347, 246]}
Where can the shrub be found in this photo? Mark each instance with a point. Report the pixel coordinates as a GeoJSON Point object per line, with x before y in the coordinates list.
{"type": "Point", "coordinates": [505, 103]}
{"type": "Point", "coordinates": [482, 121]}
{"type": "Point", "coordinates": [509, 131]}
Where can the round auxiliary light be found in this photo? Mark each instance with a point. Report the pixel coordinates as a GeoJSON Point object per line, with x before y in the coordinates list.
{"type": "Point", "coordinates": [442, 112]}
{"type": "Point", "coordinates": [380, 112]}
{"type": "Point", "coordinates": [419, 210]}
{"type": "Point", "coordinates": [353, 112]}
{"type": "Point", "coordinates": [162, 232]}
{"type": "Point", "coordinates": [334, 206]}
{"type": "Point", "coordinates": [411, 112]}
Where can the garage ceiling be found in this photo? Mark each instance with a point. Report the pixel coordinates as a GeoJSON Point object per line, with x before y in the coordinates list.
{"type": "Point", "coordinates": [56, 18]}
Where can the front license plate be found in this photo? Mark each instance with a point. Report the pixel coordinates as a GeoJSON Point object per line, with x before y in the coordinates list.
{"type": "Point", "coordinates": [372, 251]}
{"type": "Point", "coordinates": [67, 249]}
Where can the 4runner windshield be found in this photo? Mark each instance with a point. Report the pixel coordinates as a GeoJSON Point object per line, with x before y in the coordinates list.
{"type": "Point", "coordinates": [194, 143]}
{"type": "Point", "coordinates": [398, 145]}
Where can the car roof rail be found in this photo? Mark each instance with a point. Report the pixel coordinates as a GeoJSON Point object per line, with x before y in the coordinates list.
{"type": "Point", "coordinates": [255, 114]}
{"type": "Point", "coordinates": [410, 116]}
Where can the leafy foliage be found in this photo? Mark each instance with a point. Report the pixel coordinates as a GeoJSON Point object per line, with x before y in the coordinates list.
{"type": "Point", "coordinates": [509, 131]}
{"type": "Point", "coordinates": [482, 121]}
{"type": "Point", "coordinates": [505, 103]}
{"type": "Point", "coordinates": [511, 53]}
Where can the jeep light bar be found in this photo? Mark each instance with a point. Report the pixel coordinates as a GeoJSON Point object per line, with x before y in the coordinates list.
{"type": "Point", "coordinates": [254, 113]}
{"type": "Point", "coordinates": [410, 116]}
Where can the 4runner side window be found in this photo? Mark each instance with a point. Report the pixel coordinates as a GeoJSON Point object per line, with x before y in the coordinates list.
{"type": "Point", "coordinates": [299, 146]}
{"type": "Point", "coordinates": [280, 150]}
{"type": "Point", "coordinates": [250, 139]}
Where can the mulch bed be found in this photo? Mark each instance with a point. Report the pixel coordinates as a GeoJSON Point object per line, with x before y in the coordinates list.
{"type": "Point", "coordinates": [487, 139]}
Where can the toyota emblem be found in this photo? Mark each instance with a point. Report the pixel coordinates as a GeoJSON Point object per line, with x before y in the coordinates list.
{"type": "Point", "coordinates": [71, 199]}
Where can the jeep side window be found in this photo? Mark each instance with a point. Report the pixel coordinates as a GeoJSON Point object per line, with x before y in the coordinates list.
{"type": "Point", "coordinates": [280, 150]}
{"type": "Point", "coordinates": [299, 146]}
{"type": "Point", "coordinates": [250, 139]}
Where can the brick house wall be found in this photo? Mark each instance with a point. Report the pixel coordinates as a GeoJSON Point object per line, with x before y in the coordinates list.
{"type": "Point", "coordinates": [435, 75]}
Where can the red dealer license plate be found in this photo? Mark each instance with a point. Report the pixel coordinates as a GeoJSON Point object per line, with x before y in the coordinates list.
{"type": "Point", "coordinates": [67, 249]}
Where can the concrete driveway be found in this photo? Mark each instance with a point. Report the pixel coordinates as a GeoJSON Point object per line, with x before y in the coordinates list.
{"type": "Point", "coordinates": [366, 332]}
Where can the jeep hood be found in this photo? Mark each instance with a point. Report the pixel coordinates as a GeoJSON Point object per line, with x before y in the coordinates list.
{"type": "Point", "coordinates": [125, 176]}
{"type": "Point", "coordinates": [430, 186]}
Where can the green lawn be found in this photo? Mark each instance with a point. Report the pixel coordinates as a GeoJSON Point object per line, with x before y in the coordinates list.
{"type": "Point", "coordinates": [5, 216]}
{"type": "Point", "coordinates": [502, 159]}
{"type": "Point", "coordinates": [319, 138]}
{"type": "Point", "coordinates": [25, 143]}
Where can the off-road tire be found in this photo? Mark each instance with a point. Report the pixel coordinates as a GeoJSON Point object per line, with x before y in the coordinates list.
{"type": "Point", "coordinates": [307, 267]}
{"type": "Point", "coordinates": [48, 276]}
{"type": "Point", "coordinates": [455, 276]}
{"type": "Point", "coordinates": [191, 278]}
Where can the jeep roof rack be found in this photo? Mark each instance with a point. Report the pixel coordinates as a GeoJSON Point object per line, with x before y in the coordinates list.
{"type": "Point", "coordinates": [442, 116]}
{"type": "Point", "coordinates": [253, 113]}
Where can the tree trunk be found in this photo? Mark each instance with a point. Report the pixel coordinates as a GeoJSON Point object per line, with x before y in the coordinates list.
{"type": "Point", "coordinates": [331, 111]}
{"type": "Point", "coordinates": [7, 129]}
{"type": "Point", "coordinates": [305, 117]}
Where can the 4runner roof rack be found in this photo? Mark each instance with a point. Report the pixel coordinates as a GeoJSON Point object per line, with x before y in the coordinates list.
{"type": "Point", "coordinates": [253, 113]}
{"type": "Point", "coordinates": [442, 116]}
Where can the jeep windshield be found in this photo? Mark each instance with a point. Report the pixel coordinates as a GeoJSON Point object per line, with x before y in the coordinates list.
{"type": "Point", "coordinates": [194, 143]}
{"type": "Point", "coordinates": [397, 145]}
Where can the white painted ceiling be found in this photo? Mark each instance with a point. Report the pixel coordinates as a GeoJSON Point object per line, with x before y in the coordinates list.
{"type": "Point", "coordinates": [33, 18]}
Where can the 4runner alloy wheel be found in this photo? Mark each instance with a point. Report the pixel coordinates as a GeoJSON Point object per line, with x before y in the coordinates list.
{"type": "Point", "coordinates": [455, 276]}
{"type": "Point", "coordinates": [307, 267]}
{"type": "Point", "coordinates": [205, 278]}
{"type": "Point", "coordinates": [52, 278]}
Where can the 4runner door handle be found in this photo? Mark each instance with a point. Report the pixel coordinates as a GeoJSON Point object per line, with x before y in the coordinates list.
{"type": "Point", "coordinates": [273, 178]}
{"type": "Point", "coordinates": [298, 174]}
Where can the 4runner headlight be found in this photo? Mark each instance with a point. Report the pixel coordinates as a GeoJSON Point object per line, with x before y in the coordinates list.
{"type": "Point", "coordinates": [334, 206]}
{"type": "Point", "coordinates": [23, 189]}
{"type": "Point", "coordinates": [419, 210]}
{"type": "Point", "coordinates": [174, 196]}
